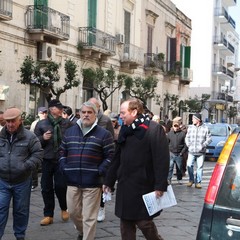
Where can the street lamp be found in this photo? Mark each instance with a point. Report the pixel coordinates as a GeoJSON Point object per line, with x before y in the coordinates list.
{"type": "Point", "coordinates": [227, 90]}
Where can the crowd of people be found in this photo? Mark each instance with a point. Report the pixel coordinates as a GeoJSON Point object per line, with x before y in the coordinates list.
{"type": "Point", "coordinates": [83, 158]}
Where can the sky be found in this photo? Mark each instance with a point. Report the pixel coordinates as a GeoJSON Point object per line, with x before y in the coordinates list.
{"type": "Point", "coordinates": [202, 36]}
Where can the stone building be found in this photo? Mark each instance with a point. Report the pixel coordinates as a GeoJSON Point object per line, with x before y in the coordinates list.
{"type": "Point", "coordinates": [139, 38]}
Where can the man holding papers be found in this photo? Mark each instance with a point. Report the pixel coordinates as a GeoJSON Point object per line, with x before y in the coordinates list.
{"type": "Point", "coordinates": [140, 166]}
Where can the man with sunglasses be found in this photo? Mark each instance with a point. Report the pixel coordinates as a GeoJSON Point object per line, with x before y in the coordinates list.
{"type": "Point", "coordinates": [177, 147]}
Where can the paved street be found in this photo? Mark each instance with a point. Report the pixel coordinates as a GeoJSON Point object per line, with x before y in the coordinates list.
{"type": "Point", "coordinates": [177, 223]}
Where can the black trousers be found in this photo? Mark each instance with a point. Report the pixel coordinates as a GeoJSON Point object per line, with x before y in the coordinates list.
{"type": "Point", "coordinates": [148, 228]}
{"type": "Point", "coordinates": [53, 181]}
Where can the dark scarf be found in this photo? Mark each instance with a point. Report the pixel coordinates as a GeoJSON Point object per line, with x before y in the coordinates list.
{"type": "Point", "coordinates": [138, 128]}
{"type": "Point", "coordinates": [57, 135]}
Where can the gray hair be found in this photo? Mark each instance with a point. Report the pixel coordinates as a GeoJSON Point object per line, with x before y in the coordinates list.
{"type": "Point", "coordinates": [90, 105]}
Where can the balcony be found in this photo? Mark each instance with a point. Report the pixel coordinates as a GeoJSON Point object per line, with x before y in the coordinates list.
{"type": "Point", "coordinates": [47, 25]}
{"type": "Point", "coordinates": [153, 63]}
{"type": "Point", "coordinates": [222, 72]}
{"type": "Point", "coordinates": [95, 43]}
{"type": "Point", "coordinates": [225, 97]}
{"type": "Point", "coordinates": [186, 76]}
{"type": "Point", "coordinates": [222, 44]}
{"type": "Point", "coordinates": [6, 10]}
{"type": "Point", "coordinates": [222, 16]}
{"type": "Point", "coordinates": [131, 57]}
{"type": "Point", "coordinates": [230, 3]}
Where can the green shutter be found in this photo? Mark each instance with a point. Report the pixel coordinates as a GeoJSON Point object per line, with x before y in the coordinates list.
{"type": "Point", "coordinates": [41, 13]}
{"type": "Point", "coordinates": [187, 57]}
{"type": "Point", "coordinates": [41, 2]}
{"type": "Point", "coordinates": [92, 13]}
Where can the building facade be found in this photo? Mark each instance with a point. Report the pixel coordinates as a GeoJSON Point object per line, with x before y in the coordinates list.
{"type": "Point", "coordinates": [137, 38]}
{"type": "Point", "coordinates": [214, 58]}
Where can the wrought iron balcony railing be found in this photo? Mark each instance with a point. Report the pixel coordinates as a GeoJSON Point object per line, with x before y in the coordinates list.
{"type": "Point", "coordinates": [42, 18]}
{"type": "Point", "coordinates": [132, 53]}
{"type": "Point", "coordinates": [6, 9]}
{"type": "Point", "coordinates": [152, 60]}
{"type": "Point", "coordinates": [92, 37]}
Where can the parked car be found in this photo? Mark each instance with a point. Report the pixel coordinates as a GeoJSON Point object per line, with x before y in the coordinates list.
{"type": "Point", "coordinates": [220, 133]}
{"type": "Point", "coordinates": [220, 217]}
{"type": "Point", "coordinates": [233, 126]}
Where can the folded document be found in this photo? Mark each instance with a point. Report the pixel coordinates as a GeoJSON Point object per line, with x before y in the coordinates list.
{"type": "Point", "coordinates": [154, 204]}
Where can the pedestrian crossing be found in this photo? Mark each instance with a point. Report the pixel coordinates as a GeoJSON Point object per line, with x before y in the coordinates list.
{"type": "Point", "coordinates": [207, 173]}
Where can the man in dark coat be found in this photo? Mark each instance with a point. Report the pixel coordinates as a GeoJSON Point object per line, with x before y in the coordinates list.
{"type": "Point", "coordinates": [50, 132]}
{"type": "Point", "coordinates": [140, 165]}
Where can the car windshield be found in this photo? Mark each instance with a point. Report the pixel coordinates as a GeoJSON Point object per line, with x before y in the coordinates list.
{"type": "Point", "coordinates": [218, 130]}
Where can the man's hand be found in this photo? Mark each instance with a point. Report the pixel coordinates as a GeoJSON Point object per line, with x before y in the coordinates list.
{"type": "Point", "coordinates": [158, 193]}
{"type": "Point", "coordinates": [106, 189]}
{"type": "Point", "coordinates": [47, 135]}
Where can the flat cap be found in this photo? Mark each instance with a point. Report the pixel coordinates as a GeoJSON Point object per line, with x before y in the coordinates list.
{"type": "Point", "coordinates": [42, 109]}
{"type": "Point", "coordinates": [11, 113]}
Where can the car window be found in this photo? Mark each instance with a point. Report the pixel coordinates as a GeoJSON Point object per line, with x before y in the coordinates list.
{"type": "Point", "coordinates": [229, 193]}
{"type": "Point", "coordinates": [218, 130]}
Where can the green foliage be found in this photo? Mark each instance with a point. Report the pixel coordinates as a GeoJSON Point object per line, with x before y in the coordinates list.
{"type": "Point", "coordinates": [46, 75]}
{"type": "Point", "coordinates": [141, 88]}
{"type": "Point", "coordinates": [27, 119]}
{"type": "Point", "coordinates": [104, 82]}
{"type": "Point", "coordinates": [195, 104]}
{"type": "Point", "coordinates": [232, 112]}
{"type": "Point", "coordinates": [80, 46]}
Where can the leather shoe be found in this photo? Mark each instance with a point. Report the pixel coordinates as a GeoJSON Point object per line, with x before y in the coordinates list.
{"type": "Point", "coordinates": [46, 221]}
{"type": "Point", "coordinates": [198, 185]}
{"type": "Point", "coordinates": [65, 215]}
{"type": "Point", "coordinates": [189, 184]}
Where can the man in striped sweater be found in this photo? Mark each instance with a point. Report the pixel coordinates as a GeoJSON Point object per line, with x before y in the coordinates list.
{"type": "Point", "coordinates": [86, 153]}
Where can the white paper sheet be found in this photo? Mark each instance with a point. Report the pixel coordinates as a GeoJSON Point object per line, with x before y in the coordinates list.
{"type": "Point", "coordinates": [154, 204]}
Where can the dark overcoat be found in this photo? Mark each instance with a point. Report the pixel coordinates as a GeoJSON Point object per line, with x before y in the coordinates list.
{"type": "Point", "coordinates": [140, 166]}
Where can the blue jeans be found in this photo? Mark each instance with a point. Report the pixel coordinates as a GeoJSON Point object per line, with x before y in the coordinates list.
{"type": "Point", "coordinates": [20, 194]}
{"type": "Point", "coordinates": [178, 160]}
{"type": "Point", "coordinates": [190, 165]}
{"type": "Point", "coordinates": [53, 181]}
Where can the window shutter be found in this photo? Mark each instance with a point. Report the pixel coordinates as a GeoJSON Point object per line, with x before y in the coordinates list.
{"type": "Point", "coordinates": [92, 13]}
{"type": "Point", "coordinates": [127, 23]}
{"type": "Point", "coordinates": [187, 59]}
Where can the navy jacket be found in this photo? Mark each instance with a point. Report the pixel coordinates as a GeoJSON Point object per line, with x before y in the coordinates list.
{"type": "Point", "coordinates": [85, 158]}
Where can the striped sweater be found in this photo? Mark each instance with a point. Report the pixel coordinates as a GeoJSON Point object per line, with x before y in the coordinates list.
{"type": "Point", "coordinates": [85, 158]}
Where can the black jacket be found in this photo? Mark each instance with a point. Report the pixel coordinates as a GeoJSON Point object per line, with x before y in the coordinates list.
{"type": "Point", "coordinates": [48, 145]}
{"type": "Point", "coordinates": [177, 143]}
{"type": "Point", "coordinates": [140, 166]}
{"type": "Point", "coordinates": [21, 157]}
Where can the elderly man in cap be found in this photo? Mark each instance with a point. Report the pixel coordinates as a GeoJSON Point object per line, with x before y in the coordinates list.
{"type": "Point", "coordinates": [42, 114]}
{"type": "Point", "coordinates": [198, 137]}
{"type": "Point", "coordinates": [50, 132]}
{"type": "Point", "coordinates": [86, 152]}
{"type": "Point", "coordinates": [20, 154]}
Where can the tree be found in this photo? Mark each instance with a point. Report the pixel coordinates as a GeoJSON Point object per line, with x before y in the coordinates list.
{"type": "Point", "coordinates": [141, 88]}
{"type": "Point", "coordinates": [104, 82]}
{"type": "Point", "coordinates": [195, 104]}
{"type": "Point", "coordinates": [46, 76]}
